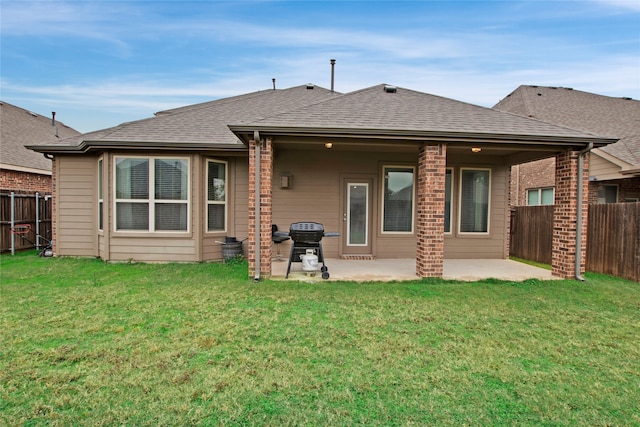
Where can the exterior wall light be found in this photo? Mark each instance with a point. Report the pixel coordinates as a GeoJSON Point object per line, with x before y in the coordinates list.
{"type": "Point", "coordinates": [476, 149]}
{"type": "Point", "coordinates": [328, 145]}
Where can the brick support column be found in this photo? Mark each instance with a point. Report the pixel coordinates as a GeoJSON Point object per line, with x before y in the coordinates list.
{"type": "Point", "coordinates": [432, 161]}
{"type": "Point", "coordinates": [566, 214]}
{"type": "Point", "coordinates": [265, 191]}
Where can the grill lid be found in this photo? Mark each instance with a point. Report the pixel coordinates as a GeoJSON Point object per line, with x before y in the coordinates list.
{"type": "Point", "coordinates": [311, 232]}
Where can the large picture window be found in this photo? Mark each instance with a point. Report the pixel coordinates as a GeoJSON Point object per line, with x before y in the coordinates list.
{"type": "Point", "coordinates": [398, 200]}
{"type": "Point", "coordinates": [475, 187]}
{"type": "Point", "coordinates": [216, 195]}
{"type": "Point", "coordinates": [151, 194]}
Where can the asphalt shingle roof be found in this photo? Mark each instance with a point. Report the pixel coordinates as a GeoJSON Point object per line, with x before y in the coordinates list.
{"type": "Point", "coordinates": [19, 127]}
{"type": "Point", "coordinates": [372, 111]}
{"type": "Point", "coordinates": [589, 112]}
{"type": "Point", "coordinates": [407, 110]}
{"type": "Point", "coordinates": [206, 123]}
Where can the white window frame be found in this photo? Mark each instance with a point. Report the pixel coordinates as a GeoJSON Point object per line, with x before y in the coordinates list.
{"type": "Point", "coordinates": [151, 201]}
{"type": "Point", "coordinates": [539, 191]}
{"type": "Point", "coordinates": [451, 172]}
{"type": "Point", "coordinates": [413, 199]}
{"type": "Point", "coordinates": [101, 215]}
{"type": "Point", "coordinates": [460, 181]}
{"type": "Point", "coordinates": [217, 202]}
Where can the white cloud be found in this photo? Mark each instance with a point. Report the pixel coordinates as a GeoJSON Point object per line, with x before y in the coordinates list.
{"type": "Point", "coordinates": [623, 4]}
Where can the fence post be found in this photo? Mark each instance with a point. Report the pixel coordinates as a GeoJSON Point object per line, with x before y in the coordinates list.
{"type": "Point", "coordinates": [37, 220]}
{"type": "Point", "coordinates": [13, 223]}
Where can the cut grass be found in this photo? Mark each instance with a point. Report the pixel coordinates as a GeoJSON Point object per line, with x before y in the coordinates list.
{"type": "Point", "coordinates": [90, 343]}
{"type": "Point", "coordinates": [533, 263]}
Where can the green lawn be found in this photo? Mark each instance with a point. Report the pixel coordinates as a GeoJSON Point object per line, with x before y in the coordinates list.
{"type": "Point", "coordinates": [89, 343]}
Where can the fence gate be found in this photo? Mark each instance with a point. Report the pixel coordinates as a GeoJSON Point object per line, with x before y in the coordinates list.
{"type": "Point", "coordinates": [30, 213]}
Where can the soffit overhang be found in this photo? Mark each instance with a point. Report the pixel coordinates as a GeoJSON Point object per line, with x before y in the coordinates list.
{"type": "Point", "coordinates": [413, 137]}
{"type": "Point", "coordinates": [88, 146]}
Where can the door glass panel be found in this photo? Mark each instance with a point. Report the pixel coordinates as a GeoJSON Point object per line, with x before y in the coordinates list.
{"type": "Point", "coordinates": [357, 214]}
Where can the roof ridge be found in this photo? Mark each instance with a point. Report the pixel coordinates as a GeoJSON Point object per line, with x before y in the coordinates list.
{"type": "Point", "coordinates": [232, 98]}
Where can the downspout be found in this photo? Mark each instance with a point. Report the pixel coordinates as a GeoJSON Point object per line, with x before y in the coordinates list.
{"type": "Point", "coordinates": [256, 140]}
{"type": "Point", "coordinates": [579, 213]}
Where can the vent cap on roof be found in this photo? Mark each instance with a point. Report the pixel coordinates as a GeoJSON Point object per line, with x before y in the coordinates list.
{"type": "Point", "coordinates": [390, 89]}
{"type": "Point", "coordinates": [310, 85]}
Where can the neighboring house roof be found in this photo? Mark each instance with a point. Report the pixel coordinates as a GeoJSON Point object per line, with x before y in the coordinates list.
{"type": "Point", "coordinates": [387, 111]}
{"type": "Point", "coordinates": [19, 127]}
{"type": "Point", "coordinates": [196, 126]}
{"type": "Point", "coordinates": [589, 112]}
{"type": "Point", "coordinates": [308, 109]}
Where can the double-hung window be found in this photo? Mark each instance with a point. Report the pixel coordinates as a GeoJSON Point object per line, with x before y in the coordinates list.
{"type": "Point", "coordinates": [475, 185]}
{"type": "Point", "coordinates": [398, 200]}
{"type": "Point", "coordinates": [216, 195]}
{"type": "Point", "coordinates": [540, 196]}
{"type": "Point", "coordinates": [151, 194]}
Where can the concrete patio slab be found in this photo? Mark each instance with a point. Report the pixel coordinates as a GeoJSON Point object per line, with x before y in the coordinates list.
{"type": "Point", "coordinates": [386, 270]}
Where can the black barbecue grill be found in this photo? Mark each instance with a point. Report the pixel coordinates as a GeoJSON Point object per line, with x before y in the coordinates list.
{"type": "Point", "coordinates": [308, 236]}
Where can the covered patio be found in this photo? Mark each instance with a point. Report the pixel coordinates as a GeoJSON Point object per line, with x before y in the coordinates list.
{"type": "Point", "coordinates": [405, 269]}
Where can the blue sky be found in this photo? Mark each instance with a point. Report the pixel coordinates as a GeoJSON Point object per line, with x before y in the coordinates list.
{"type": "Point", "coordinates": [101, 63]}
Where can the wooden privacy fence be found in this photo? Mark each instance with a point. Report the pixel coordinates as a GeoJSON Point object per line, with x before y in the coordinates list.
{"type": "Point", "coordinates": [24, 211]}
{"type": "Point", "coordinates": [614, 240]}
{"type": "Point", "coordinates": [532, 233]}
{"type": "Point", "coordinates": [613, 237]}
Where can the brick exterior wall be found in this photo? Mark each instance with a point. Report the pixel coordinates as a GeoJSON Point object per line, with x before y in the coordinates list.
{"type": "Point", "coordinates": [265, 191]}
{"type": "Point", "coordinates": [565, 215]}
{"type": "Point", "coordinates": [24, 182]}
{"type": "Point", "coordinates": [432, 161]}
{"type": "Point", "coordinates": [627, 188]}
{"type": "Point", "coordinates": [540, 174]}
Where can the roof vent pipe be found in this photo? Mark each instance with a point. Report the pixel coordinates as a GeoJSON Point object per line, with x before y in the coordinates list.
{"type": "Point", "coordinates": [53, 122]}
{"type": "Point", "coordinates": [333, 67]}
{"type": "Point", "coordinates": [274, 83]}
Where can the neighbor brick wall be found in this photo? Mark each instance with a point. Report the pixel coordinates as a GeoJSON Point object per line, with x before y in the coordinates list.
{"type": "Point", "coordinates": [538, 174]}
{"type": "Point", "coordinates": [24, 182]}
{"type": "Point", "coordinates": [265, 191]}
{"type": "Point", "coordinates": [432, 161]}
{"type": "Point", "coordinates": [627, 188]}
{"type": "Point", "coordinates": [565, 215]}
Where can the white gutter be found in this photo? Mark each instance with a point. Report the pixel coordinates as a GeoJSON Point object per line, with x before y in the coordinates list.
{"type": "Point", "coordinates": [256, 139]}
{"type": "Point", "coordinates": [579, 213]}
